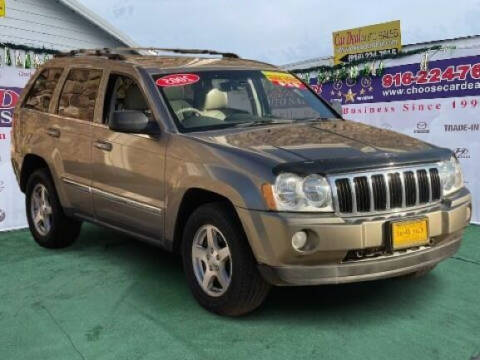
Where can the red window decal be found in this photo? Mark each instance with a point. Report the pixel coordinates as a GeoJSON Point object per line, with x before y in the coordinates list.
{"type": "Point", "coordinates": [177, 80]}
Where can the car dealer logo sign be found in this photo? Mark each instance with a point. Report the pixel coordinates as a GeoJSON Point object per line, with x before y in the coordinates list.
{"type": "Point", "coordinates": [8, 100]}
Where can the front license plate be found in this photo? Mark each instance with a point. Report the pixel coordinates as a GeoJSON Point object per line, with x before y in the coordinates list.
{"type": "Point", "coordinates": [409, 233]}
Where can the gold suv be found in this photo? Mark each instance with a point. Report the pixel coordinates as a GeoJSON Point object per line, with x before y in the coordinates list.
{"type": "Point", "coordinates": [236, 165]}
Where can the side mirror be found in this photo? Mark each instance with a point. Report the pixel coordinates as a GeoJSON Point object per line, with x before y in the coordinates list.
{"type": "Point", "coordinates": [134, 122]}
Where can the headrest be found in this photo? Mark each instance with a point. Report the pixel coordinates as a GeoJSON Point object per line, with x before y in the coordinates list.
{"type": "Point", "coordinates": [215, 99]}
{"type": "Point", "coordinates": [174, 92]}
{"type": "Point", "coordinates": [134, 99]}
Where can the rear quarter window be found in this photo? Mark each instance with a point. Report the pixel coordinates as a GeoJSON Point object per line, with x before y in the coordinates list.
{"type": "Point", "coordinates": [79, 94]}
{"type": "Point", "coordinates": [42, 90]}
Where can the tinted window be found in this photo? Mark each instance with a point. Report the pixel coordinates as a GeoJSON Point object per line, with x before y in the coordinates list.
{"type": "Point", "coordinates": [123, 94]}
{"type": "Point", "coordinates": [290, 103]}
{"type": "Point", "coordinates": [42, 90]}
{"type": "Point", "coordinates": [206, 100]}
{"type": "Point", "coordinates": [239, 96]}
{"type": "Point", "coordinates": [79, 94]}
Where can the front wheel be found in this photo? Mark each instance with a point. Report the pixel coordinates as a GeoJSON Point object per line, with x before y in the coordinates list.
{"type": "Point", "coordinates": [218, 263]}
{"type": "Point", "coordinates": [50, 227]}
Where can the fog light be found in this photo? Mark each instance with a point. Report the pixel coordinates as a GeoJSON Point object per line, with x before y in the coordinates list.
{"type": "Point", "coordinates": [299, 240]}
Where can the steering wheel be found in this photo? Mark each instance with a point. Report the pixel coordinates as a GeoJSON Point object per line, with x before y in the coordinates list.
{"type": "Point", "coordinates": [188, 109]}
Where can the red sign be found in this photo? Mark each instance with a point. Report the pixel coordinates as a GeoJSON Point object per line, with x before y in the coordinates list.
{"type": "Point", "coordinates": [8, 99]}
{"type": "Point", "coordinates": [177, 80]}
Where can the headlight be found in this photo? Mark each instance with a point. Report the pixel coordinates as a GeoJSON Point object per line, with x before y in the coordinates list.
{"type": "Point", "coordinates": [450, 176]}
{"type": "Point", "coordinates": [294, 193]}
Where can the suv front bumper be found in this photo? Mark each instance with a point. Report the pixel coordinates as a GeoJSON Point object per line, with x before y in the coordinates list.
{"type": "Point", "coordinates": [354, 271]}
{"type": "Point", "coordinates": [270, 234]}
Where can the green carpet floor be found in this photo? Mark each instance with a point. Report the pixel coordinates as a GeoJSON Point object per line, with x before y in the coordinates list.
{"type": "Point", "coordinates": [110, 297]}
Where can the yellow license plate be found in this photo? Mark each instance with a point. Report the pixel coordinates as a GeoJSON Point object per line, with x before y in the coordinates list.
{"type": "Point", "coordinates": [409, 233]}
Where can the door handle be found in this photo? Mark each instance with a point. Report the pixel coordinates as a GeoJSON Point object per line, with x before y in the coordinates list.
{"type": "Point", "coordinates": [53, 132]}
{"type": "Point", "coordinates": [103, 145]}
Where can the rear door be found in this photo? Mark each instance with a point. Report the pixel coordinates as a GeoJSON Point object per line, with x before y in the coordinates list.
{"type": "Point", "coordinates": [71, 126]}
{"type": "Point", "coordinates": [32, 135]}
{"type": "Point", "coordinates": [128, 169]}
{"type": "Point", "coordinates": [33, 124]}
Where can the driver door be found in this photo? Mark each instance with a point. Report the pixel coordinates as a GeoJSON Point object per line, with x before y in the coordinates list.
{"type": "Point", "coordinates": [128, 169]}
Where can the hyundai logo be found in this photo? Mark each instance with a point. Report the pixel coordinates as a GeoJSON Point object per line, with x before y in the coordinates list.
{"type": "Point", "coordinates": [422, 128]}
{"type": "Point", "coordinates": [462, 153]}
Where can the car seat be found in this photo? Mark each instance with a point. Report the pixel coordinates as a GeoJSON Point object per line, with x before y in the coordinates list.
{"type": "Point", "coordinates": [215, 101]}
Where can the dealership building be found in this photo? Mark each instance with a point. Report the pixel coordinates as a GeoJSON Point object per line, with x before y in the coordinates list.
{"type": "Point", "coordinates": [58, 25]}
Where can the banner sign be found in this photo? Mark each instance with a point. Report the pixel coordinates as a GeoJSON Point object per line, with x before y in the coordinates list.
{"type": "Point", "coordinates": [440, 106]}
{"type": "Point", "coordinates": [445, 78]}
{"type": "Point", "coordinates": [367, 41]}
{"type": "Point", "coordinates": [12, 207]}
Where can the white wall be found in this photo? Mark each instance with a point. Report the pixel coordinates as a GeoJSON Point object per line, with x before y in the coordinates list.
{"type": "Point", "coordinates": [50, 24]}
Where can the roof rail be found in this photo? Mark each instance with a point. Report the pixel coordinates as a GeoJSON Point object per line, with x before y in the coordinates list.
{"type": "Point", "coordinates": [120, 52]}
{"type": "Point", "coordinates": [92, 52]}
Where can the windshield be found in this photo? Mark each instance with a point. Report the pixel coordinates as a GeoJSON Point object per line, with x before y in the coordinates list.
{"type": "Point", "coordinates": [206, 100]}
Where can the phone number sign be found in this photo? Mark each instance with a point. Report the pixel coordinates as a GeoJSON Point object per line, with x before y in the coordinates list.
{"type": "Point", "coordinates": [432, 76]}
{"type": "Point", "coordinates": [367, 41]}
{"type": "Point", "coordinates": [456, 77]}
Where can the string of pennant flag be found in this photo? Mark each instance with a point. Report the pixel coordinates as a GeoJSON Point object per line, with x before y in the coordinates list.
{"type": "Point", "coordinates": [22, 56]}
{"type": "Point", "coordinates": [373, 66]}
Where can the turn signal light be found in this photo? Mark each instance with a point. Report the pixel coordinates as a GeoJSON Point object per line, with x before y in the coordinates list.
{"type": "Point", "coordinates": [267, 193]}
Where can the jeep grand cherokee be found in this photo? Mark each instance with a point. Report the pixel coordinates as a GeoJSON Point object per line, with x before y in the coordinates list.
{"type": "Point", "coordinates": [235, 164]}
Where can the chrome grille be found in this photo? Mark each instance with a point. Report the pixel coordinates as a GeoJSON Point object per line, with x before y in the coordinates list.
{"type": "Point", "coordinates": [386, 190]}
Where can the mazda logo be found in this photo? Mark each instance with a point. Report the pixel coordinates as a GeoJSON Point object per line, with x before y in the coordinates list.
{"type": "Point", "coordinates": [422, 125]}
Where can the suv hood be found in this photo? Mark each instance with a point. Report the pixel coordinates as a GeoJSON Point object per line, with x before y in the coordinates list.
{"type": "Point", "coordinates": [329, 146]}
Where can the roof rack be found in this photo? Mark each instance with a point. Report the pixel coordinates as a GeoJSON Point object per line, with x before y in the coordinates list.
{"type": "Point", "coordinates": [120, 52]}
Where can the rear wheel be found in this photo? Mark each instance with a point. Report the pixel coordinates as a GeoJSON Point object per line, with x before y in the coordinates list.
{"type": "Point", "coordinates": [50, 227]}
{"type": "Point", "coordinates": [218, 263]}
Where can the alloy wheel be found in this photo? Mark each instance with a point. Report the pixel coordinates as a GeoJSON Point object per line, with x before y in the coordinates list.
{"type": "Point", "coordinates": [212, 261]}
{"type": "Point", "coordinates": [41, 210]}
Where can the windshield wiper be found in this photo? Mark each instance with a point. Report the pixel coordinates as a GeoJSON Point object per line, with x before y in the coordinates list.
{"type": "Point", "coordinates": [263, 122]}
{"type": "Point", "coordinates": [315, 119]}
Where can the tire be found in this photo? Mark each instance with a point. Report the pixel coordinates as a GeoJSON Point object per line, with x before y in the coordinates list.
{"type": "Point", "coordinates": [419, 273]}
{"type": "Point", "coordinates": [61, 230]}
{"type": "Point", "coordinates": [246, 289]}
